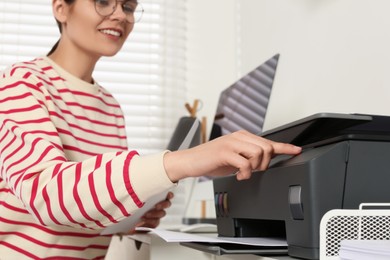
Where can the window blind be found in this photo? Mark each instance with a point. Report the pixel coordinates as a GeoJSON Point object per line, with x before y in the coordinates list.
{"type": "Point", "coordinates": [147, 76]}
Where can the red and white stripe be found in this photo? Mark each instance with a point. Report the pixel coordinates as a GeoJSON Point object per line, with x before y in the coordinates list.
{"type": "Point", "coordinates": [65, 169]}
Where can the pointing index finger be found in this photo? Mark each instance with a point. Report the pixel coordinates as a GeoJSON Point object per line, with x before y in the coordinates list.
{"type": "Point", "coordinates": [283, 148]}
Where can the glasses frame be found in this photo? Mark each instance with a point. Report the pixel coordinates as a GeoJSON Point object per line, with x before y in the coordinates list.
{"type": "Point", "coordinates": [139, 9]}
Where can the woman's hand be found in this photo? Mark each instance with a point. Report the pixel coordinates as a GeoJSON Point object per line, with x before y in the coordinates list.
{"type": "Point", "coordinates": [240, 152]}
{"type": "Point", "coordinates": [152, 218]}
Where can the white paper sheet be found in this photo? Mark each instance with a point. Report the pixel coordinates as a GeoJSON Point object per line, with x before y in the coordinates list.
{"type": "Point", "coordinates": [173, 236]}
{"type": "Point", "coordinates": [365, 249]}
{"type": "Point", "coordinates": [130, 222]}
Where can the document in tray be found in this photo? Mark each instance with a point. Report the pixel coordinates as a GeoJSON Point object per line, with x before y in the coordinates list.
{"type": "Point", "coordinates": [365, 249]}
{"type": "Point", "coordinates": [130, 222]}
{"type": "Point", "coordinates": [179, 237]}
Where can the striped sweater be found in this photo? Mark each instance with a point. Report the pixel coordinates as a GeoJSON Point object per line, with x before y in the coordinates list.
{"type": "Point", "coordinates": [65, 171]}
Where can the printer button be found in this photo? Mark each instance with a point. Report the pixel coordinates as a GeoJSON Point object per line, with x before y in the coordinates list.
{"type": "Point", "coordinates": [295, 202]}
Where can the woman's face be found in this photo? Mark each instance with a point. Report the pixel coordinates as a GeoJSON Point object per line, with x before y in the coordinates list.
{"type": "Point", "coordinates": [86, 30]}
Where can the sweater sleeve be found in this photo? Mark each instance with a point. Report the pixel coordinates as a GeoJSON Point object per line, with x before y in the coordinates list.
{"type": "Point", "coordinates": [92, 193]}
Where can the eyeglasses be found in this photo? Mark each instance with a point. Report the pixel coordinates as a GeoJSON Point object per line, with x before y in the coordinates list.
{"type": "Point", "coordinates": [132, 9]}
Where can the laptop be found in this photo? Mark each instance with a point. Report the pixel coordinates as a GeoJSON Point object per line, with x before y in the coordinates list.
{"type": "Point", "coordinates": [243, 105]}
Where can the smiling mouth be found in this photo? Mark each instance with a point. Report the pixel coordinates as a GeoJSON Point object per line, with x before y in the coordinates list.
{"type": "Point", "coordinates": [111, 32]}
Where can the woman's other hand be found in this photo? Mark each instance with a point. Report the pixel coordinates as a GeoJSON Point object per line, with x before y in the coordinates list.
{"type": "Point", "coordinates": [152, 218]}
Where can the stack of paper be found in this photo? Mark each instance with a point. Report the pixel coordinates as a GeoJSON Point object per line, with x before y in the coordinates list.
{"type": "Point", "coordinates": [364, 250]}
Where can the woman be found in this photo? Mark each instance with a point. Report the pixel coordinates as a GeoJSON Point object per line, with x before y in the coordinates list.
{"type": "Point", "coordinates": [66, 173]}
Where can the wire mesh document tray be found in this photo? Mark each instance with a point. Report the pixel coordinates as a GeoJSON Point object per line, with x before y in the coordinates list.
{"type": "Point", "coordinates": [370, 222]}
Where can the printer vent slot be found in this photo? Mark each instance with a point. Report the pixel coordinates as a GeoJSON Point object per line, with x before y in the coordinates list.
{"type": "Point", "coordinates": [259, 228]}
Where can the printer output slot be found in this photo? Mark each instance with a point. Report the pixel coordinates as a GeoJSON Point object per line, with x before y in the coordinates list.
{"type": "Point", "coordinates": [259, 228]}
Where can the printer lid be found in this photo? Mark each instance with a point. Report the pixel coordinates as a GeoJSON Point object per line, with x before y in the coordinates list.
{"type": "Point", "coordinates": [324, 128]}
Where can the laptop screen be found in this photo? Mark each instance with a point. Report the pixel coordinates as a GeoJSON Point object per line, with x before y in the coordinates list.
{"type": "Point", "coordinates": [244, 104]}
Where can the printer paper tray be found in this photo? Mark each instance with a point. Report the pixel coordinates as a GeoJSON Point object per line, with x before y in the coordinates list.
{"type": "Point", "coordinates": [229, 249]}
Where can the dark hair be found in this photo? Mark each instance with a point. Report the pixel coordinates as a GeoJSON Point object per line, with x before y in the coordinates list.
{"type": "Point", "coordinates": [69, 2]}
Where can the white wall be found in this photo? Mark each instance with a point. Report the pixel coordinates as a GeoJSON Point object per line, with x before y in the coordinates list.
{"type": "Point", "coordinates": [212, 48]}
{"type": "Point", "coordinates": [335, 54]}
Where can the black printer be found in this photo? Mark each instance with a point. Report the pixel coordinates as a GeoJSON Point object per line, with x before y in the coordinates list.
{"type": "Point", "coordinates": [345, 162]}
